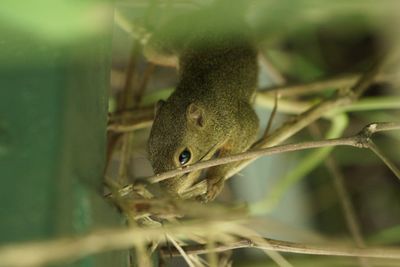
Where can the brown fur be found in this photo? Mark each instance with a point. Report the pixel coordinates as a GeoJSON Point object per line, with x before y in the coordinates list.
{"type": "Point", "coordinates": [210, 112]}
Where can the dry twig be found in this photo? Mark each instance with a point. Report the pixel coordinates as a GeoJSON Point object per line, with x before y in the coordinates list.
{"type": "Point", "coordinates": [360, 140]}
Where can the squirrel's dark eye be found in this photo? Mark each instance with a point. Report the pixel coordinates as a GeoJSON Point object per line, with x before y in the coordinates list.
{"type": "Point", "coordinates": [184, 157]}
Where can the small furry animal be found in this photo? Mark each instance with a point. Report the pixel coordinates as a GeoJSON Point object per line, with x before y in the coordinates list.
{"type": "Point", "coordinates": [210, 113]}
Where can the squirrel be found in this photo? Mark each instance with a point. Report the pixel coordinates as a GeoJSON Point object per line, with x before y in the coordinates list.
{"type": "Point", "coordinates": [210, 113]}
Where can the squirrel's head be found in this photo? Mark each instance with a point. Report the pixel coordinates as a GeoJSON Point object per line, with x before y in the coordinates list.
{"type": "Point", "coordinates": [180, 135]}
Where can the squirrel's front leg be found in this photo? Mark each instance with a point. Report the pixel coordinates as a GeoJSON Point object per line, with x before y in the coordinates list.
{"type": "Point", "coordinates": [215, 184]}
{"type": "Point", "coordinates": [216, 175]}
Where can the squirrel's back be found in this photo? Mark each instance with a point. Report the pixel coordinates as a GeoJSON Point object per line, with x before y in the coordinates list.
{"type": "Point", "coordinates": [226, 68]}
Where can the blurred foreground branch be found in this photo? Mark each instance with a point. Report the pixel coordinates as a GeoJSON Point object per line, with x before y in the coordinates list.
{"type": "Point", "coordinates": [73, 248]}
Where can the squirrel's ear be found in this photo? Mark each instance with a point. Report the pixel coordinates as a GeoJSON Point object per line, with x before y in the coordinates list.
{"type": "Point", "coordinates": [158, 106]}
{"type": "Point", "coordinates": [195, 114]}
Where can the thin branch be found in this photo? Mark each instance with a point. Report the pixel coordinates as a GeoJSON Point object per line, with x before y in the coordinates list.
{"type": "Point", "coordinates": [359, 140]}
{"type": "Point", "coordinates": [353, 224]}
{"type": "Point", "coordinates": [344, 198]}
{"type": "Point", "coordinates": [291, 247]}
{"type": "Point", "coordinates": [258, 241]}
{"type": "Point", "coordinates": [373, 128]}
{"type": "Point", "coordinates": [126, 100]}
{"type": "Point", "coordinates": [384, 158]}
{"type": "Point", "coordinates": [296, 89]}
{"type": "Point", "coordinates": [272, 72]}
{"type": "Point", "coordinates": [272, 115]}
{"type": "Point", "coordinates": [367, 78]}
{"type": "Point", "coordinates": [335, 82]}
{"type": "Point", "coordinates": [307, 164]}
{"type": "Point", "coordinates": [313, 86]}
{"type": "Point", "coordinates": [113, 138]}
{"type": "Point", "coordinates": [181, 251]}
{"type": "Point", "coordinates": [140, 118]}
{"type": "Point", "coordinates": [129, 127]}
{"type": "Point", "coordinates": [131, 119]}
{"type": "Point", "coordinates": [372, 103]}
{"type": "Point", "coordinates": [345, 201]}
{"type": "Point", "coordinates": [256, 153]}
{"type": "Point", "coordinates": [138, 94]}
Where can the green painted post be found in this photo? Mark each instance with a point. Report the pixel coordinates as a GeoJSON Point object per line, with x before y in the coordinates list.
{"type": "Point", "coordinates": [54, 79]}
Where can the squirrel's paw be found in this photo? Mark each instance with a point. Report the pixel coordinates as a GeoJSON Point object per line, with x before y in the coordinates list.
{"type": "Point", "coordinates": [214, 187]}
